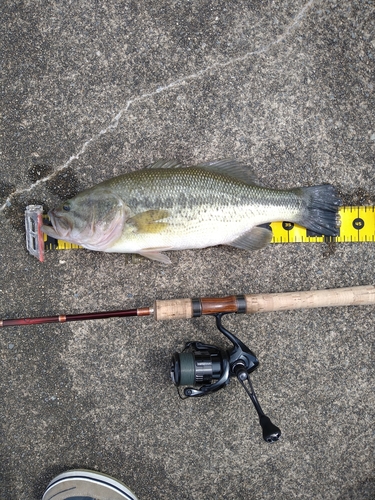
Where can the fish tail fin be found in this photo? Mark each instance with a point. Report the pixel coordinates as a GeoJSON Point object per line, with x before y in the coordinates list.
{"type": "Point", "coordinates": [320, 213]}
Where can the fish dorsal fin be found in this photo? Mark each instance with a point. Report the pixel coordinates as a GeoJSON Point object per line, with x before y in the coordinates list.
{"type": "Point", "coordinates": [258, 237]}
{"type": "Point", "coordinates": [165, 164]}
{"type": "Point", "coordinates": [231, 168]}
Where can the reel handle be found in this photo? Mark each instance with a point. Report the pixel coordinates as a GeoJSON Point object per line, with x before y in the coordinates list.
{"type": "Point", "coordinates": [271, 433]}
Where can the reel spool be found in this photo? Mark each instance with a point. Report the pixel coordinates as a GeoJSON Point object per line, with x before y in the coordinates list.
{"type": "Point", "coordinates": [211, 366]}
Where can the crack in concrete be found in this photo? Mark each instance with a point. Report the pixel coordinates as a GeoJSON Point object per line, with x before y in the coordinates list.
{"type": "Point", "coordinates": [176, 83]}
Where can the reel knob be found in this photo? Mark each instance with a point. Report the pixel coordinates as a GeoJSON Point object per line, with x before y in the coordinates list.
{"type": "Point", "coordinates": [271, 433]}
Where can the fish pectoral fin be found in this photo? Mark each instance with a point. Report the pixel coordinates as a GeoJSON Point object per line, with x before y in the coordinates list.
{"type": "Point", "coordinates": [149, 221]}
{"type": "Point", "coordinates": [255, 239]}
{"type": "Point", "coordinates": [155, 254]}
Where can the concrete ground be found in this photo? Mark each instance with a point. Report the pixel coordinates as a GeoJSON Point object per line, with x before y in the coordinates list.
{"type": "Point", "coordinates": [95, 89]}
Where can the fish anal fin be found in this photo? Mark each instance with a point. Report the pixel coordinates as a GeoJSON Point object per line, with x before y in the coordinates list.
{"type": "Point", "coordinates": [155, 254]}
{"type": "Point", "coordinates": [255, 239]}
{"type": "Point", "coordinates": [149, 221]}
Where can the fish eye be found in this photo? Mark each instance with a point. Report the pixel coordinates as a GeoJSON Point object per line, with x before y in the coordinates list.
{"type": "Point", "coordinates": [66, 207]}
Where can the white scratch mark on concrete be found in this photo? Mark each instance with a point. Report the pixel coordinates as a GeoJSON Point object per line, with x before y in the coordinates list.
{"type": "Point", "coordinates": [176, 83]}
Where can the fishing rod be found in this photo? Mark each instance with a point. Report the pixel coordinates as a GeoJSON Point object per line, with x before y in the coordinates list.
{"type": "Point", "coordinates": [206, 365]}
{"type": "Point", "coordinates": [245, 304]}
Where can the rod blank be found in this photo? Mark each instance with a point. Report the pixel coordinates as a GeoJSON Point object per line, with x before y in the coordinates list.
{"type": "Point", "coordinates": [145, 311]}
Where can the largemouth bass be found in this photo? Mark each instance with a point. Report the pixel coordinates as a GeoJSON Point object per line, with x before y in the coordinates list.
{"type": "Point", "coordinates": [170, 207]}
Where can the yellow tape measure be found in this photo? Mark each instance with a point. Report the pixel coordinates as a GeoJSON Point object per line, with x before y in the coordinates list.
{"type": "Point", "coordinates": [357, 224]}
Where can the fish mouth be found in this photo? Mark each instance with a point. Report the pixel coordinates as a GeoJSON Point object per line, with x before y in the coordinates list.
{"type": "Point", "coordinates": [61, 228]}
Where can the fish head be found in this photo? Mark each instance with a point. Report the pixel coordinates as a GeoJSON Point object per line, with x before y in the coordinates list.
{"type": "Point", "coordinates": [93, 219]}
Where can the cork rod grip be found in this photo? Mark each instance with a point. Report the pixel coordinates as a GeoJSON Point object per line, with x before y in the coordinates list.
{"type": "Point", "coordinates": [255, 303]}
{"type": "Point", "coordinates": [173, 309]}
{"type": "Point", "coordinates": [351, 296]}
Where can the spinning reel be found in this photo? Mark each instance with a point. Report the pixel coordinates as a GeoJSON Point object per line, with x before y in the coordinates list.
{"type": "Point", "coordinates": [206, 364]}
